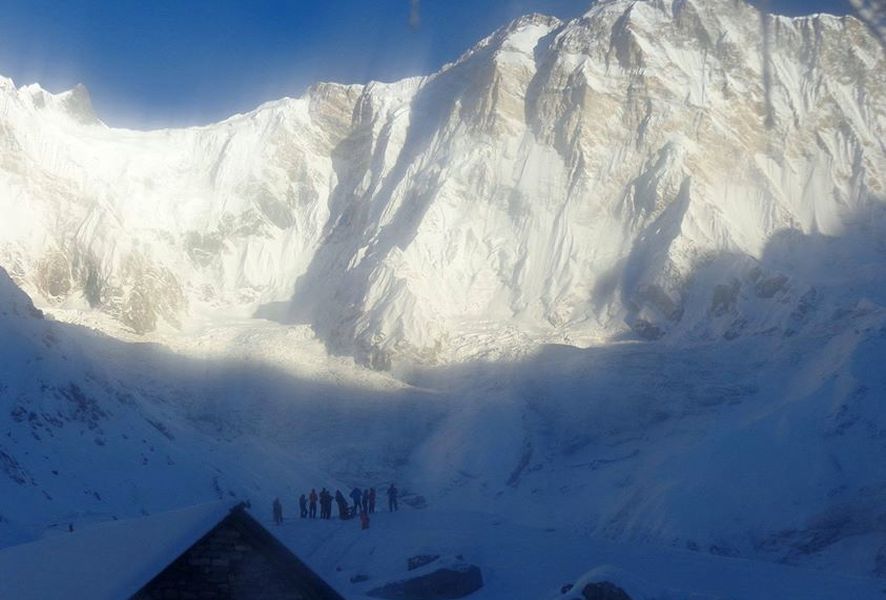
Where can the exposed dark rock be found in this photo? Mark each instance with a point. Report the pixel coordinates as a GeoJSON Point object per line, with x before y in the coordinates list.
{"type": "Point", "coordinates": [457, 581]}
{"type": "Point", "coordinates": [604, 590]}
{"type": "Point", "coordinates": [724, 298]}
{"type": "Point", "coordinates": [420, 560]}
{"type": "Point", "coordinates": [359, 578]}
{"type": "Point", "coordinates": [83, 408]}
{"type": "Point", "coordinates": [647, 330]}
{"type": "Point", "coordinates": [161, 428]}
{"type": "Point", "coordinates": [767, 288]}
{"type": "Point", "coordinates": [11, 467]}
{"type": "Point", "coordinates": [414, 501]}
{"type": "Point", "coordinates": [525, 457]}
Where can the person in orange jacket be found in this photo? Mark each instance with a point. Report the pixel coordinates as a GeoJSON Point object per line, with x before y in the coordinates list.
{"type": "Point", "coordinates": [364, 520]}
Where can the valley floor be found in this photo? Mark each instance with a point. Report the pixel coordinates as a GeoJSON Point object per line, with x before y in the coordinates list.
{"type": "Point", "coordinates": [622, 459]}
{"type": "Point", "coordinates": [531, 563]}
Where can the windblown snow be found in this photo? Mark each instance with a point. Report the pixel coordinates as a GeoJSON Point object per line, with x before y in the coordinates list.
{"type": "Point", "coordinates": [624, 274]}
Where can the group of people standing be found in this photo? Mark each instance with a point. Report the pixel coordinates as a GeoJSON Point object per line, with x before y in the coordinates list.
{"type": "Point", "coordinates": [363, 504]}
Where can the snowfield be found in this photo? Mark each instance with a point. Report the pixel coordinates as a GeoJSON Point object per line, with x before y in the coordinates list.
{"type": "Point", "coordinates": [527, 562]}
{"type": "Point", "coordinates": [595, 297]}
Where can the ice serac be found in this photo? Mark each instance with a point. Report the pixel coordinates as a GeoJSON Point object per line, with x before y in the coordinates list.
{"type": "Point", "coordinates": [634, 172]}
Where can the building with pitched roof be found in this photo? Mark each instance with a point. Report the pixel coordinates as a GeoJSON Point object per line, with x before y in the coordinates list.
{"type": "Point", "coordinates": [213, 550]}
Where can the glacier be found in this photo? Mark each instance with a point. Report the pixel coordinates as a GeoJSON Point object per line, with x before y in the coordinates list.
{"type": "Point", "coordinates": [621, 277]}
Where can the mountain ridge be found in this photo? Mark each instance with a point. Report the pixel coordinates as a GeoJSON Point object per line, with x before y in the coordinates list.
{"type": "Point", "coordinates": [606, 157]}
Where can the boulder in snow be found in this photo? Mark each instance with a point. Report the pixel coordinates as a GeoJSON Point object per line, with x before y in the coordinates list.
{"type": "Point", "coordinates": [604, 590]}
{"type": "Point", "coordinates": [455, 581]}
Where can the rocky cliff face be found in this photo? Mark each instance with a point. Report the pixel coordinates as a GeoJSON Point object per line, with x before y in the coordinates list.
{"type": "Point", "coordinates": [632, 172]}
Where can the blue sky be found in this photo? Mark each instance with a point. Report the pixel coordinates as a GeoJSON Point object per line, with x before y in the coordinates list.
{"type": "Point", "coordinates": [150, 63]}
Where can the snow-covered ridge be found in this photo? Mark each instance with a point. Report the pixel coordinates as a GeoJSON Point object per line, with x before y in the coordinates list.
{"type": "Point", "coordinates": [622, 174]}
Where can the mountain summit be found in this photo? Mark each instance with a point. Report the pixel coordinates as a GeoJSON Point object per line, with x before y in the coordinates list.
{"type": "Point", "coordinates": [642, 171]}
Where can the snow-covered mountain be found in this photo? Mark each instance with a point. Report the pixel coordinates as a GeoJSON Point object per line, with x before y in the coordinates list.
{"type": "Point", "coordinates": [702, 205]}
{"type": "Point", "coordinates": [565, 182]}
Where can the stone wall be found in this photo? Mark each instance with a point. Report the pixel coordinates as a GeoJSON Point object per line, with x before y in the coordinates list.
{"type": "Point", "coordinates": [226, 563]}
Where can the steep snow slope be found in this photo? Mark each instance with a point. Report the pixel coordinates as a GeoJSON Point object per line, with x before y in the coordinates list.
{"type": "Point", "coordinates": [764, 448]}
{"type": "Point", "coordinates": [92, 428]}
{"type": "Point", "coordinates": [559, 182]}
{"type": "Point", "coordinates": [767, 446]}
